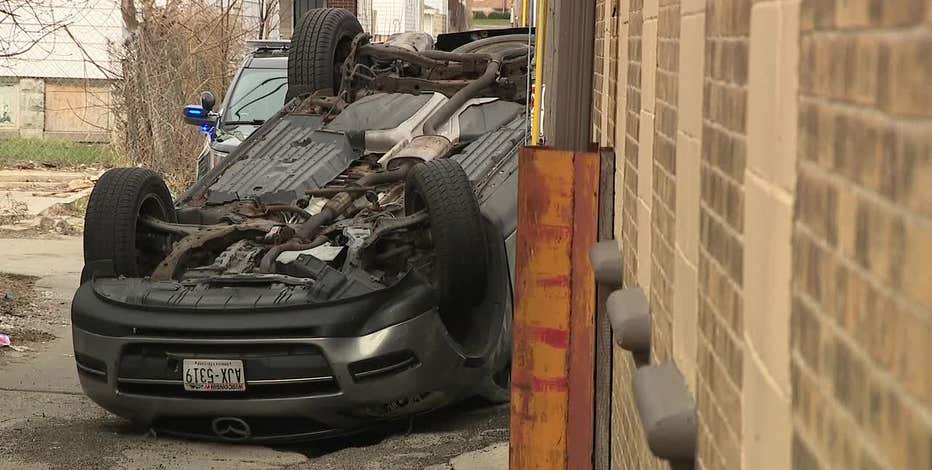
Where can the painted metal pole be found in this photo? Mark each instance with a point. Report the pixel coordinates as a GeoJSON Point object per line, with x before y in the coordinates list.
{"type": "Point", "coordinates": [541, 33]}
{"type": "Point", "coordinates": [552, 363]}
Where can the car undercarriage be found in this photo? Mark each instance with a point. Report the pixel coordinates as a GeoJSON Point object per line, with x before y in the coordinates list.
{"type": "Point", "coordinates": [351, 261]}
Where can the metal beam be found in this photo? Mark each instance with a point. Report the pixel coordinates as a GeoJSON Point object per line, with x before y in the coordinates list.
{"type": "Point", "coordinates": [574, 37]}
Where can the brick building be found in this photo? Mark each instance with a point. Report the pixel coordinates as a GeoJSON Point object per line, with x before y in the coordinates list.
{"type": "Point", "coordinates": [774, 199]}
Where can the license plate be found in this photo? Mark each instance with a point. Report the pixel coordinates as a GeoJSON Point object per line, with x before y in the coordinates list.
{"type": "Point", "coordinates": [213, 375]}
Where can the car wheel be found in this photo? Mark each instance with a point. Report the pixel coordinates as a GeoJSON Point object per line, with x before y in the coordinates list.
{"type": "Point", "coordinates": [456, 231]}
{"type": "Point", "coordinates": [112, 229]}
{"type": "Point", "coordinates": [321, 43]}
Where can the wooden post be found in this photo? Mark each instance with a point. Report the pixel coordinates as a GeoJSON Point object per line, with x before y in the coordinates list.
{"type": "Point", "coordinates": [554, 332]}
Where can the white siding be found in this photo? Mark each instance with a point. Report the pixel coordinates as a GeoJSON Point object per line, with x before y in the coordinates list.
{"type": "Point", "coordinates": [97, 27]}
{"type": "Point", "coordinates": [95, 24]}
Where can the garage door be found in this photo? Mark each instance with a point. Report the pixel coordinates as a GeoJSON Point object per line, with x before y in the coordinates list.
{"type": "Point", "coordinates": [77, 111]}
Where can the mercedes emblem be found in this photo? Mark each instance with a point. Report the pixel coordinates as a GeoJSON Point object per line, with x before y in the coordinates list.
{"type": "Point", "coordinates": [231, 429]}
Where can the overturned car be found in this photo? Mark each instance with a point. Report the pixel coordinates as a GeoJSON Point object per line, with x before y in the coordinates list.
{"type": "Point", "coordinates": [351, 262]}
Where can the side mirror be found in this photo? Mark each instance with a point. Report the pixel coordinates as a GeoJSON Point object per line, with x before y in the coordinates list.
{"type": "Point", "coordinates": [208, 101]}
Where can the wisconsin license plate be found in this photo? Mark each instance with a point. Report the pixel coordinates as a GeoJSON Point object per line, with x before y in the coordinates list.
{"type": "Point", "coordinates": [213, 375]}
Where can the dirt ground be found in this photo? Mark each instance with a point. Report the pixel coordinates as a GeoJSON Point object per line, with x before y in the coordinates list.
{"type": "Point", "coordinates": [24, 315]}
{"type": "Point", "coordinates": [41, 202]}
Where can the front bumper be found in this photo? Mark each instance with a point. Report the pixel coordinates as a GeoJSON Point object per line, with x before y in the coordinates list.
{"type": "Point", "coordinates": [440, 374]}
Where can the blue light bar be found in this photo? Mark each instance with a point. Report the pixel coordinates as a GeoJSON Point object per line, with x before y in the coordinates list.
{"type": "Point", "coordinates": [194, 111]}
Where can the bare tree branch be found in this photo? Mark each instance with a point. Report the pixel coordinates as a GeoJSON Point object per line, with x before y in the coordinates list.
{"type": "Point", "coordinates": [28, 26]}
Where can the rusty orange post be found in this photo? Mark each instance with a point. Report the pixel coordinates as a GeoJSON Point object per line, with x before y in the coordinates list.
{"type": "Point", "coordinates": [581, 420]}
{"type": "Point", "coordinates": [552, 376]}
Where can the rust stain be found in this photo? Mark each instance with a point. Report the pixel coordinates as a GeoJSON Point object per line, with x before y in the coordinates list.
{"type": "Point", "coordinates": [554, 281]}
{"type": "Point", "coordinates": [581, 418]}
{"type": "Point", "coordinates": [553, 337]}
{"type": "Point", "coordinates": [536, 384]}
{"type": "Point", "coordinates": [542, 310]}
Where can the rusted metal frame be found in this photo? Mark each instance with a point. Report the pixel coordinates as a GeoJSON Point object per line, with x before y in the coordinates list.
{"type": "Point", "coordinates": [581, 419]}
{"type": "Point", "coordinates": [540, 370]}
{"type": "Point", "coordinates": [554, 327]}
{"type": "Point", "coordinates": [390, 84]}
{"type": "Point", "coordinates": [603, 328]}
{"type": "Point", "coordinates": [168, 268]}
{"type": "Point", "coordinates": [436, 59]}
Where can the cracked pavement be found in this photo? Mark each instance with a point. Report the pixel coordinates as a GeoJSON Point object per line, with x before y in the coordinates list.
{"type": "Point", "coordinates": [47, 423]}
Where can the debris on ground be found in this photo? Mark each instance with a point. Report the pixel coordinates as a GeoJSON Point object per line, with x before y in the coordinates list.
{"type": "Point", "coordinates": [35, 202]}
{"type": "Point", "coordinates": [12, 210]}
{"type": "Point", "coordinates": [23, 318]}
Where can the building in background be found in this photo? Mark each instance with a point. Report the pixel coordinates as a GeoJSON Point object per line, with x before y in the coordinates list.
{"type": "Point", "coordinates": [58, 65]}
{"type": "Point", "coordinates": [492, 6]}
{"type": "Point", "coordinates": [382, 18]}
{"type": "Point", "coordinates": [57, 83]}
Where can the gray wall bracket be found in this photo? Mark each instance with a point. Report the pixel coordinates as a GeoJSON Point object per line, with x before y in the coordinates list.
{"type": "Point", "coordinates": [605, 257]}
{"type": "Point", "coordinates": [629, 313]}
{"type": "Point", "coordinates": [668, 413]}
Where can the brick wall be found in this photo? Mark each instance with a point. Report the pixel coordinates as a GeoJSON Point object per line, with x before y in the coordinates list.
{"type": "Point", "coordinates": [862, 240]}
{"type": "Point", "coordinates": [347, 4]}
{"type": "Point", "coordinates": [774, 198]}
{"type": "Point", "coordinates": [632, 105]}
{"type": "Point", "coordinates": [629, 449]}
{"type": "Point", "coordinates": [663, 207]}
{"type": "Point", "coordinates": [721, 234]}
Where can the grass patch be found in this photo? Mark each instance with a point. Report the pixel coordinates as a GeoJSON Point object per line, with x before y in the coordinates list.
{"type": "Point", "coordinates": [54, 151]}
{"type": "Point", "coordinates": [491, 23]}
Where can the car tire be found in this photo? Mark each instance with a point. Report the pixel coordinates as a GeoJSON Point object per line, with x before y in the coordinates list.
{"type": "Point", "coordinates": [456, 230]}
{"type": "Point", "coordinates": [321, 43]}
{"type": "Point", "coordinates": [497, 388]}
{"type": "Point", "coordinates": [112, 230]}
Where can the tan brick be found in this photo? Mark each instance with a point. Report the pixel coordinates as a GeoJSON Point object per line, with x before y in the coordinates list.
{"type": "Point", "coordinates": [687, 197]}
{"type": "Point", "coordinates": [817, 206]}
{"type": "Point", "coordinates": [767, 272]}
{"type": "Point", "coordinates": [685, 318]}
{"type": "Point", "coordinates": [853, 13]}
{"type": "Point", "coordinates": [803, 459]}
{"type": "Point", "coordinates": [817, 14]}
{"type": "Point", "coordinates": [643, 246]}
{"type": "Point", "coordinates": [772, 109]}
{"type": "Point", "coordinates": [692, 6]}
{"type": "Point", "coordinates": [903, 88]}
{"type": "Point", "coordinates": [767, 428]}
{"type": "Point", "coordinates": [721, 292]}
{"type": "Point", "coordinates": [651, 8]}
{"type": "Point", "coordinates": [916, 261]}
{"type": "Point", "coordinates": [646, 158]}
{"type": "Point", "coordinates": [691, 67]}
{"type": "Point", "coordinates": [723, 196]}
{"type": "Point", "coordinates": [649, 65]}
